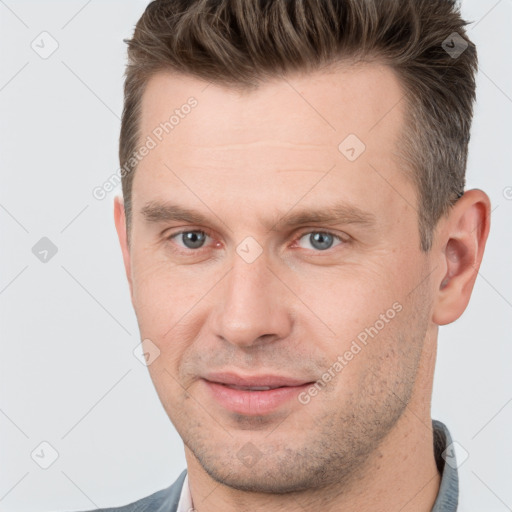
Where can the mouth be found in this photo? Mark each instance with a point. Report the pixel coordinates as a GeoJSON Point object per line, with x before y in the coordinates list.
{"type": "Point", "coordinates": [255, 382]}
{"type": "Point", "coordinates": [254, 395]}
{"type": "Point", "coordinates": [247, 388]}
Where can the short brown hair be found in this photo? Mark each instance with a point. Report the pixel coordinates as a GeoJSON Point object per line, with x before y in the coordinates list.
{"type": "Point", "coordinates": [239, 43]}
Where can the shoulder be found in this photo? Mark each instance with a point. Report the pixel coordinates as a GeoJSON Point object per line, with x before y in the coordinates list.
{"type": "Point", "coordinates": [165, 500]}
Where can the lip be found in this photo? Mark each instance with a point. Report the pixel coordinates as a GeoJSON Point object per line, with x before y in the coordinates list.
{"type": "Point", "coordinates": [253, 403]}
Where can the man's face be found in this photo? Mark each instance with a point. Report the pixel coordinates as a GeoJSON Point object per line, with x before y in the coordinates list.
{"type": "Point", "coordinates": [245, 292]}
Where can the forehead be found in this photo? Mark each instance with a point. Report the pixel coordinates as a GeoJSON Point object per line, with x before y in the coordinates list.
{"type": "Point", "coordinates": [275, 142]}
{"type": "Point", "coordinates": [318, 108]}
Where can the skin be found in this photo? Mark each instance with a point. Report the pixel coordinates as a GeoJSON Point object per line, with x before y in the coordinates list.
{"type": "Point", "coordinates": [244, 160]}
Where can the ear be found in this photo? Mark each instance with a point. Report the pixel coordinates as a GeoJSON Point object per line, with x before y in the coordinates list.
{"type": "Point", "coordinates": [460, 245]}
{"type": "Point", "coordinates": [120, 221]}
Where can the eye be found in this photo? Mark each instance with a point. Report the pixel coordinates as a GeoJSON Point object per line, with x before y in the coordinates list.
{"type": "Point", "coordinates": [194, 240]}
{"type": "Point", "coordinates": [319, 240]}
{"type": "Point", "coordinates": [190, 239]}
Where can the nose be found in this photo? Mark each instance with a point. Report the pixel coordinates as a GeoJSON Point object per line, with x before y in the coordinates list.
{"type": "Point", "coordinates": [252, 306]}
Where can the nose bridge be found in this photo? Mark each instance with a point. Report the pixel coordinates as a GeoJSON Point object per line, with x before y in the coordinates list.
{"type": "Point", "coordinates": [250, 305]}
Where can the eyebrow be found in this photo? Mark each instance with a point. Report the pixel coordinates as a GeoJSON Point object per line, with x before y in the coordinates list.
{"type": "Point", "coordinates": [341, 213]}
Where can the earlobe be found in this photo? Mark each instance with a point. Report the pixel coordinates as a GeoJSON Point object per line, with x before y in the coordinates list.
{"type": "Point", "coordinates": [120, 222]}
{"type": "Point", "coordinates": [462, 244]}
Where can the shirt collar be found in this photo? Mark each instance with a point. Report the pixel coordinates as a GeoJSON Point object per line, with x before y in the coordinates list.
{"type": "Point", "coordinates": [444, 451]}
{"type": "Point", "coordinates": [447, 497]}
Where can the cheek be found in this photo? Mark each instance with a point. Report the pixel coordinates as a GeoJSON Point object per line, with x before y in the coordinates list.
{"type": "Point", "coordinates": [171, 305]}
{"type": "Point", "coordinates": [368, 310]}
{"type": "Point", "coordinates": [332, 303]}
{"type": "Point", "coordinates": [347, 298]}
{"type": "Point", "coordinates": [161, 290]}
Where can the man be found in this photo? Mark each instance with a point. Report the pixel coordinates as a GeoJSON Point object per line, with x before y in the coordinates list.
{"type": "Point", "coordinates": [294, 231]}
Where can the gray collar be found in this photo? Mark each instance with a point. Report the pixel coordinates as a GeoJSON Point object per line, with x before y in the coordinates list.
{"type": "Point", "coordinates": [448, 496]}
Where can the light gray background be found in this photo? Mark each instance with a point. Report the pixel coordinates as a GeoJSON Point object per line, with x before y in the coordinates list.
{"type": "Point", "coordinates": [68, 373]}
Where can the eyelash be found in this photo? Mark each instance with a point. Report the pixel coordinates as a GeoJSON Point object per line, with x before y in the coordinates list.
{"type": "Point", "coordinates": [298, 237]}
